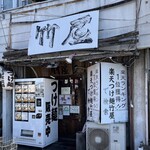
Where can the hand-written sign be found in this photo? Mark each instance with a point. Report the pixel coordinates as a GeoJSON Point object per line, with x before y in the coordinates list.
{"type": "Point", "coordinates": [114, 103]}
{"type": "Point", "coordinates": [107, 93]}
{"type": "Point", "coordinates": [74, 32]}
{"type": "Point", "coordinates": [93, 93]}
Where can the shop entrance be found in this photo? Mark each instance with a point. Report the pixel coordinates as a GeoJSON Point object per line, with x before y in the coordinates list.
{"type": "Point", "coordinates": [72, 95]}
{"type": "Point", "coordinates": [71, 106]}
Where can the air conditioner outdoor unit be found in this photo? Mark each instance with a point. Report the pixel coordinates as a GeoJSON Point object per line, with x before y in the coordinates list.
{"type": "Point", "coordinates": [105, 136]}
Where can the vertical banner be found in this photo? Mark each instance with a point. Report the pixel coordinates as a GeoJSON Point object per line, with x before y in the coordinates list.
{"type": "Point", "coordinates": [93, 93]}
{"type": "Point", "coordinates": [114, 102]}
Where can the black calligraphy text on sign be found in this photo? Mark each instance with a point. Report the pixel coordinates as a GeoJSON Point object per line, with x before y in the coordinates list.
{"type": "Point", "coordinates": [123, 89]}
{"type": "Point", "coordinates": [111, 93]}
{"type": "Point", "coordinates": [116, 93]}
{"type": "Point", "coordinates": [50, 33]}
{"type": "Point", "coordinates": [50, 117]}
{"type": "Point", "coordinates": [93, 94]}
{"type": "Point", "coordinates": [54, 98]}
{"type": "Point", "coordinates": [90, 93]}
{"type": "Point", "coordinates": [77, 34]}
{"type": "Point", "coordinates": [121, 101]}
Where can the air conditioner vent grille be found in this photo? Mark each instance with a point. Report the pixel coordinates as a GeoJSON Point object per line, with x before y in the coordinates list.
{"type": "Point", "coordinates": [98, 139]}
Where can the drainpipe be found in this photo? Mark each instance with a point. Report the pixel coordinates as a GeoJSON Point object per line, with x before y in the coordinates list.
{"type": "Point", "coordinates": [131, 107]}
{"type": "Point", "coordinates": [9, 34]}
{"type": "Point", "coordinates": [146, 94]}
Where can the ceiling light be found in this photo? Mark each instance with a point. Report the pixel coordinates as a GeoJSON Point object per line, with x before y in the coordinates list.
{"type": "Point", "coordinates": [69, 59]}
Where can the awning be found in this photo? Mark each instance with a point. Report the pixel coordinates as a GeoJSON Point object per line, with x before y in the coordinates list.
{"type": "Point", "coordinates": [118, 46]}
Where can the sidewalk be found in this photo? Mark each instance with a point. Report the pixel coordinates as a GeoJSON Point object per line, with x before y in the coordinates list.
{"type": "Point", "coordinates": [60, 145]}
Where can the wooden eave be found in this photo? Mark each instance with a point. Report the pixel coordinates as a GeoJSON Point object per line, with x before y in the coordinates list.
{"type": "Point", "coordinates": [118, 46]}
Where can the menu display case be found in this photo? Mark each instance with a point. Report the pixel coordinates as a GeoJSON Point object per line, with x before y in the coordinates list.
{"type": "Point", "coordinates": [24, 100]}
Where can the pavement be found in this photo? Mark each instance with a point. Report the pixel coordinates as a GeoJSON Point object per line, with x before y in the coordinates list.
{"type": "Point", "coordinates": [67, 144]}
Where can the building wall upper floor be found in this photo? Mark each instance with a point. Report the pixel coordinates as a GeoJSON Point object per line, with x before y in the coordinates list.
{"type": "Point", "coordinates": [144, 24]}
{"type": "Point", "coordinates": [115, 17]}
{"type": "Point", "coordinates": [7, 4]}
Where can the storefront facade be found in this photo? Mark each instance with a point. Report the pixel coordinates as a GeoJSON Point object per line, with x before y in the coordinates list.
{"type": "Point", "coordinates": [37, 39]}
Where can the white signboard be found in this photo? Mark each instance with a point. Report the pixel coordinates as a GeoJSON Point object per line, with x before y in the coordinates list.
{"type": "Point", "coordinates": [66, 110]}
{"type": "Point", "coordinates": [75, 109]}
{"type": "Point", "coordinates": [68, 33]}
{"type": "Point", "coordinates": [65, 90]}
{"type": "Point", "coordinates": [107, 93]}
{"type": "Point", "coordinates": [114, 103]}
{"type": "Point", "coordinates": [93, 93]}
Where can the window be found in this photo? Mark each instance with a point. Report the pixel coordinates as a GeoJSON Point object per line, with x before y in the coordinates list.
{"type": "Point", "coordinates": [23, 2]}
{"type": "Point", "coordinates": [8, 4]}
{"type": "Point", "coordinates": [38, 0]}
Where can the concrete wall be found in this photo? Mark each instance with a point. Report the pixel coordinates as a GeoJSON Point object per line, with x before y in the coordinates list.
{"type": "Point", "coordinates": [117, 20]}
{"type": "Point", "coordinates": [139, 109]}
{"type": "Point", "coordinates": [7, 115]}
{"type": "Point", "coordinates": [15, 31]}
{"type": "Point", "coordinates": [144, 24]}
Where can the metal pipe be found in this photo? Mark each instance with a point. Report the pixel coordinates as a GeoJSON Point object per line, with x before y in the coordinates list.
{"type": "Point", "coordinates": [36, 75]}
{"type": "Point", "coordinates": [146, 95]}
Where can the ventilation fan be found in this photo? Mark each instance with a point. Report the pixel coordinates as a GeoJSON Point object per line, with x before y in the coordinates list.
{"type": "Point", "coordinates": [105, 136]}
{"type": "Point", "coordinates": [98, 139]}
